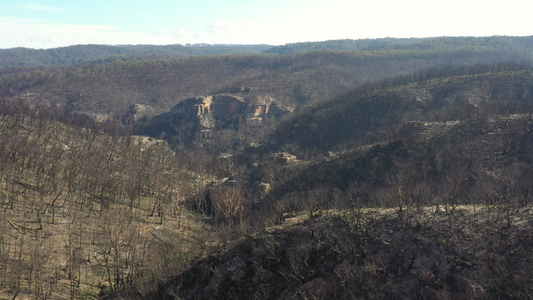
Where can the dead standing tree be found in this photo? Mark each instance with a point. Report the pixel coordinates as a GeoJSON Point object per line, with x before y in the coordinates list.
{"type": "Point", "coordinates": [229, 204]}
{"type": "Point", "coordinates": [399, 183]}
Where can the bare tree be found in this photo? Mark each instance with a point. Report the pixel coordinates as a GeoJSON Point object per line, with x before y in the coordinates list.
{"type": "Point", "coordinates": [355, 193]}
{"type": "Point", "coordinates": [228, 204]}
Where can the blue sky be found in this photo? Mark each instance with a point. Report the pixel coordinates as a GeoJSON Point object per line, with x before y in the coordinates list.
{"type": "Point", "coordinates": [57, 23]}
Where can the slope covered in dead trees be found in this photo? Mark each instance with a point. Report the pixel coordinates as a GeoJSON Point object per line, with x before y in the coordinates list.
{"type": "Point", "coordinates": [429, 206]}
{"type": "Point", "coordinates": [416, 186]}
{"type": "Point", "coordinates": [92, 54]}
{"type": "Point", "coordinates": [370, 255]}
{"type": "Point", "coordinates": [87, 208]}
{"type": "Point", "coordinates": [112, 89]}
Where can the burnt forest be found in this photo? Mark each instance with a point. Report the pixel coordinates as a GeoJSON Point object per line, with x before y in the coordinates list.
{"type": "Point", "coordinates": [384, 168]}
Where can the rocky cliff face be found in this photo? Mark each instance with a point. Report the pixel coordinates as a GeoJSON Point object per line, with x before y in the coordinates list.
{"type": "Point", "coordinates": [138, 111]}
{"type": "Point", "coordinates": [262, 108]}
{"type": "Point", "coordinates": [209, 112]}
{"type": "Point", "coordinates": [200, 117]}
{"type": "Point", "coordinates": [214, 112]}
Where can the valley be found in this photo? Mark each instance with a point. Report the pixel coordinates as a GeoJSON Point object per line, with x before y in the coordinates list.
{"type": "Point", "coordinates": [374, 169]}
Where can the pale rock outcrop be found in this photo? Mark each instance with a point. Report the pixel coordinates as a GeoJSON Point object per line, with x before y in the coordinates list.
{"type": "Point", "coordinates": [209, 111]}
{"type": "Point", "coordinates": [203, 117]}
{"type": "Point", "coordinates": [283, 158]}
{"type": "Point", "coordinates": [137, 112]}
{"type": "Point", "coordinates": [95, 117]}
{"type": "Point", "coordinates": [222, 111]}
{"type": "Point", "coordinates": [146, 142]}
{"type": "Point", "coordinates": [263, 107]}
{"type": "Point", "coordinates": [260, 190]}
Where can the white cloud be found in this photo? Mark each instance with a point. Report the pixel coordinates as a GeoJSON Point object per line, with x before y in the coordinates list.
{"type": "Point", "coordinates": [42, 7]}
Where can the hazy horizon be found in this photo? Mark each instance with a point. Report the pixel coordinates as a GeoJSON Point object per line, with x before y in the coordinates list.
{"type": "Point", "coordinates": [59, 23]}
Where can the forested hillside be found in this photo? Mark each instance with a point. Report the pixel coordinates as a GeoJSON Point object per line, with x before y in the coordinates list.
{"type": "Point", "coordinates": [295, 79]}
{"type": "Point", "coordinates": [87, 208]}
{"type": "Point", "coordinates": [134, 92]}
{"type": "Point", "coordinates": [443, 162]}
{"type": "Point", "coordinates": [90, 54]}
{"type": "Point", "coordinates": [520, 45]}
{"type": "Point", "coordinates": [83, 54]}
{"type": "Point", "coordinates": [375, 111]}
{"type": "Point", "coordinates": [399, 168]}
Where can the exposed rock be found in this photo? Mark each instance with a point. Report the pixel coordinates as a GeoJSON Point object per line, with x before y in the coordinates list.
{"type": "Point", "coordinates": [263, 107]}
{"type": "Point", "coordinates": [210, 111]}
{"type": "Point", "coordinates": [206, 121]}
{"type": "Point", "coordinates": [95, 117]}
{"type": "Point", "coordinates": [242, 178]}
{"type": "Point", "coordinates": [231, 182]}
{"type": "Point", "coordinates": [260, 190]}
{"type": "Point", "coordinates": [218, 105]}
{"type": "Point", "coordinates": [283, 158]}
{"type": "Point", "coordinates": [137, 112]}
{"type": "Point", "coordinates": [203, 117]}
{"type": "Point", "coordinates": [225, 156]}
{"type": "Point", "coordinates": [146, 142]}
{"type": "Point", "coordinates": [226, 105]}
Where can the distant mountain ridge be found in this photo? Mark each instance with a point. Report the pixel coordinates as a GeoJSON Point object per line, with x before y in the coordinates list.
{"type": "Point", "coordinates": [399, 171]}
{"type": "Point", "coordinates": [83, 54]}
{"type": "Point", "coordinates": [113, 88]}
{"type": "Point", "coordinates": [80, 54]}
{"type": "Point", "coordinates": [520, 44]}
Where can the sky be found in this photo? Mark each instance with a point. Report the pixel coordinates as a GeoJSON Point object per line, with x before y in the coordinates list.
{"type": "Point", "coordinates": [44, 24]}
